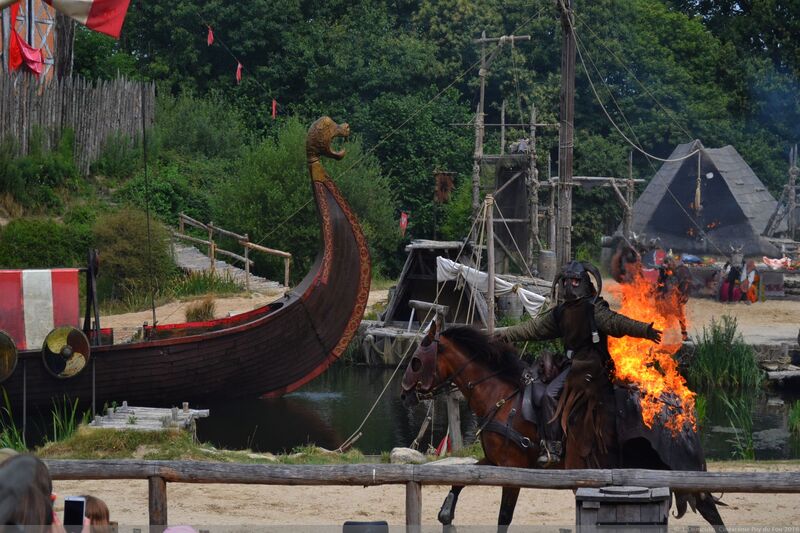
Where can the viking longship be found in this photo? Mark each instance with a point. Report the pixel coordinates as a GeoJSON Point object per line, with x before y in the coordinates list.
{"type": "Point", "coordinates": [267, 352]}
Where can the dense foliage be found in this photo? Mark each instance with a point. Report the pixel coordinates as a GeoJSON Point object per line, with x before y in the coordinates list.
{"type": "Point", "coordinates": [403, 73]}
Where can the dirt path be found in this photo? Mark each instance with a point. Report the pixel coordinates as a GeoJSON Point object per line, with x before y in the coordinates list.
{"type": "Point", "coordinates": [207, 505]}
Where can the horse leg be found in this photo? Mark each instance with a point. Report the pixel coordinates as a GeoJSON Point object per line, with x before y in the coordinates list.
{"type": "Point", "coordinates": [448, 511]}
{"type": "Point", "coordinates": [507, 505]}
{"type": "Point", "coordinates": [707, 508]}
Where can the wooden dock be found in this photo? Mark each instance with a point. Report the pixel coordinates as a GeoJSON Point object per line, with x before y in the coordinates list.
{"type": "Point", "coordinates": [149, 418]}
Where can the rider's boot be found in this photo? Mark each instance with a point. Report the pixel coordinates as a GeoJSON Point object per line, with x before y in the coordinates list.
{"type": "Point", "coordinates": [550, 453]}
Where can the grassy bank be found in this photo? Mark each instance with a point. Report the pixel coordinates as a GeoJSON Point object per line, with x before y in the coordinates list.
{"type": "Point", "coordinates": [92, 443]}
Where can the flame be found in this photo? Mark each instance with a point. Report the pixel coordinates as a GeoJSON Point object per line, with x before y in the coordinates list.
{"type": "Point", "coordinates": [648, 368]}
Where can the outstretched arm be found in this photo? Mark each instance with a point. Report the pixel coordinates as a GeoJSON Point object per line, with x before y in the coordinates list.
{"type": "Point", "coordinates": [618, 325]}
{"type": "Point", "coordinates": [538, 328]}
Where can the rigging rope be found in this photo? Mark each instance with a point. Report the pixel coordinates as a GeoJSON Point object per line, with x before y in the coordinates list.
{"type": "Point", "coordinates": [353, 436]}
{"type": "Point", "coordinates": [698, 152]}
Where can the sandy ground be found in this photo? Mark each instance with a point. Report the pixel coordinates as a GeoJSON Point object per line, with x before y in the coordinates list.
{"type": "Point", "coordinates": [202, 505]}
{"type": "Point", "coordinates": [770, 322]}
{"type": "Point", "coordinates": [126, 324]}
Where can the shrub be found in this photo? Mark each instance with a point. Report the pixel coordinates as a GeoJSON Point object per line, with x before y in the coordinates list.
{"type": "Point", "coordinates": [722, 359]}
{"type": "Point", "coordinates": [201, 310]}
{"type": "Point", "coordinates": [168, 192]}
{"type": "Point", "coordinates": [127, 263]}
{"type": "Point", "coordinates": [120, 157]}
{"type": "Point", "coordinates": [205, 127]}
{"type": "Point", "coordinates": [39, 243]}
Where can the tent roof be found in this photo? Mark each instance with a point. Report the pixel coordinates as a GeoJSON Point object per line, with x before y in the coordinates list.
{"type": "Point", "coordinates": [749, 193]}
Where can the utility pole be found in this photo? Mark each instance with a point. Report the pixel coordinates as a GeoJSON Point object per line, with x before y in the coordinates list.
{"type": "Point", "coordinates": [533, 193]}
{"type": "Point", "coordinates": [490, 262]}
{"type": "Point", "coordinates": [792, 202]}
{"type": "Point", "coordinates": [566, 135]}
{"type": "Point", "coordinates": [480, 117]}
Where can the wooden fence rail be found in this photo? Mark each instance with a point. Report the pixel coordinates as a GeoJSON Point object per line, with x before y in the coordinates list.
{"type": "Point", "coordinates": [94, 111]}
{"type": "Point", "coordinates": [243, 240]}
{"type": "Point", "coordinates": [159, 473]}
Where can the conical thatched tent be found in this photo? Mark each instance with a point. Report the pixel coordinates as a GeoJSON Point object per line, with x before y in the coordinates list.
{"type": "Point", "coordinates": [735, 204]}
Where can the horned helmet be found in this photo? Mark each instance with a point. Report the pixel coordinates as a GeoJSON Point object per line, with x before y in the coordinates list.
{"type": "Point", "coordinates": [574, 282]}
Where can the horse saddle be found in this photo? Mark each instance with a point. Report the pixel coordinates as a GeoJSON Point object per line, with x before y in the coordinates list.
{"type": "Point", "coordinates": [541, 373]}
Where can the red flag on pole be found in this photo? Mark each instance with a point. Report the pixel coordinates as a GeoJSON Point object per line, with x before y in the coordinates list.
{"type": "Point", "coordinates": [105, 16]}
{"type": "Point", "coordinates": [274, 108]}
{"type": "Point", "coordinates": [21, 53]}
{"type": "Point", "coordinates": [403, 223]}
{"type": "Point", "coordinates": [210, 38]}
{"type": "Point", "coordinates": [239, 73]}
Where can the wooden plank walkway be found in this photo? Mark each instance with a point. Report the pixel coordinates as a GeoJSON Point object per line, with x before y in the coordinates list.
{"type": "Point", "coordinates": [149, 418]}
{"type": "Point", "coordinates": [191, 259]}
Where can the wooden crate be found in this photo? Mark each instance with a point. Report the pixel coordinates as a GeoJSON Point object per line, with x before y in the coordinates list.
{"type": "Point", "coordinates": [611, 509]}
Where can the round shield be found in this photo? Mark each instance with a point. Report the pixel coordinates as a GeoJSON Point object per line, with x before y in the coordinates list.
{"type": "Point", "coordinates": [8, 356]}
{"type": "Point", "coordinates": [65, 352]}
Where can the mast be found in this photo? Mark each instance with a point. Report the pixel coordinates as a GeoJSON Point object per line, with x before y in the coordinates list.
{"type": "Point", "coordinates": [566, 134]}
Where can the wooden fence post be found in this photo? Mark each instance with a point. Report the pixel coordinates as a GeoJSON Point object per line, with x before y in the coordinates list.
{"type": "Point", "coordinates": [286, 261]}
{"type": "Point", "coordinates": [157, 501]}
{"type": "Point", "coordinates": [454, 420]}
{"type": "Point", "coordinates": [246, 264]}
{"type": "Point", "coordinates": [413, 506]}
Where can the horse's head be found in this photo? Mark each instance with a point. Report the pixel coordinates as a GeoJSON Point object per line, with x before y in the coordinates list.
{"type": "Point", "coordinates": [422, 373]}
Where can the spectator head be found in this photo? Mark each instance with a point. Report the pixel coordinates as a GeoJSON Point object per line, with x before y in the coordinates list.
{"type": "Point", "coordinates": [97, 511]}
{"type": "Point", "coordinates": [6, 453]}
{"type": "Point", "coordinates": [25, 490]}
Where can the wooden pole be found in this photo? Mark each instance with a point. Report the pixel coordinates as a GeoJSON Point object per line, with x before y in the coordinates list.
{"type": "Point", "coordinates": [211, 251]}
{"type": "Point", "coordinates": [478, 155]}
{"type": "Point", "coordinates": [490, 261]}
{"type": "Point", "coordinates": [454, 420]}
{"type": "Point", "coordinates": [792, 203]}
{"type": "Point", "coordinates": [629, 194]}
{"type": "Point", "coordinates": [246, 264]}
{"type": "Point", "coordinates": [551, 208]}
{"type": "Point", "coordinates": [533, 195]}
{"type": "Point", "coordinates": [157, 501]}
{"type": "Point", "coordinates": [503, 128]}
{"type": "Point", "coordinates": [413, 506]}
{"type": "Point", "coordinates": [286, 263]}
{"type": "Point", "coordinates": [566, 134]}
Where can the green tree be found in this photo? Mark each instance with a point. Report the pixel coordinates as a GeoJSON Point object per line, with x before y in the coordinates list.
{"type": "Point", "coordinates": [274, 201]}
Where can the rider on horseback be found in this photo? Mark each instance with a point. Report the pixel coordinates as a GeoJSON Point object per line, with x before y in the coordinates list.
{"type": "Point", "coordinates": [582, 318]}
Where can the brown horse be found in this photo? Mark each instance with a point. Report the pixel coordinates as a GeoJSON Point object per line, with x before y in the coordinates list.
{"type": "Point", "coordinates": [487, 374]}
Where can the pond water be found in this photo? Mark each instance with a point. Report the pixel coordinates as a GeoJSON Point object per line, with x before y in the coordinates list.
{"type": "Point", "coordinates": [330, 408]}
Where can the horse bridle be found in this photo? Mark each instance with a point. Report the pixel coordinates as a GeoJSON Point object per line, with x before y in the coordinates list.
{"type": "Point", "coordinates": [446, 384]}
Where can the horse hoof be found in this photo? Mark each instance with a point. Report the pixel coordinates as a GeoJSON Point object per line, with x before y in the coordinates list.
{"type": "Point", "coordinates": [446, 512]}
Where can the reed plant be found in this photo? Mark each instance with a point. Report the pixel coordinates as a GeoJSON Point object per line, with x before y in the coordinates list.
{"type": "Point", "coordinates": [65, 418]}
{"type": "Point", "coordinates": [723, 360]}
{"type": "Point", "coordinates": [204, 282]}
{"type": "Point", "coordinates": [794, 419]}
{"type": "Point", "coordinates": [11, 435]}
{"type": "Point", "coordinates": [740, 415]}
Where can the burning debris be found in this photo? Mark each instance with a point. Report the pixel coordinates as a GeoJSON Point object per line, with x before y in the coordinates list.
{"type": "Point", "coordinates": [652, 370]}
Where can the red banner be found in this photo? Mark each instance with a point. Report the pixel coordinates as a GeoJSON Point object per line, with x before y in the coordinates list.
{"type": "Point", "coordinates": [403, 223]}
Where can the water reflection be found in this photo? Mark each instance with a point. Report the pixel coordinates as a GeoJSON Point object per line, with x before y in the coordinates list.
{"type": "Point", "coordinates": [327, 410]}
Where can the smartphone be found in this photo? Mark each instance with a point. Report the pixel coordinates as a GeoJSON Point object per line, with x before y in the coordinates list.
{"type": "Point", "coordinates": [74, 510]}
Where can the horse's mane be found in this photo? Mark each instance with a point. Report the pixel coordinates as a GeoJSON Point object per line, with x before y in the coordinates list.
{"type": "Point", "coordinates": [497, 355]}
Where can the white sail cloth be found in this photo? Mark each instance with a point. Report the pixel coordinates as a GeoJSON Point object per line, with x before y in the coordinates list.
{"type": "Point", "coordinates": [447, 270]}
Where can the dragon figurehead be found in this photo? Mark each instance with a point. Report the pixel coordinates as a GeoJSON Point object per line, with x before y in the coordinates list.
{"type": "Point", "coordinates": [318, 143]}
